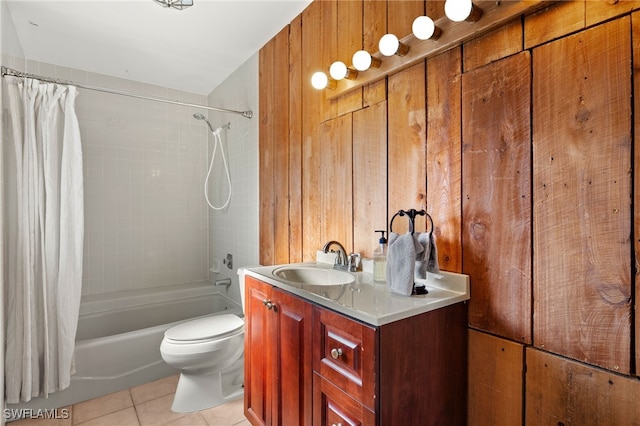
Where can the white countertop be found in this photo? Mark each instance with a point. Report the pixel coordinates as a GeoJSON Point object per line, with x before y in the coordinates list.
{"type": "Point", "coordinates": [368, 301]}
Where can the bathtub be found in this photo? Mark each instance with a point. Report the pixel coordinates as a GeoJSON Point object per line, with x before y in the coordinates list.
{"type": "Point", "coordinates": [118, 339]}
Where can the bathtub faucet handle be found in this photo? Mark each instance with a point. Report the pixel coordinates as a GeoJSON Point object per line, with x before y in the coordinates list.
{"type": "Point", "coordinates": [225, 282]}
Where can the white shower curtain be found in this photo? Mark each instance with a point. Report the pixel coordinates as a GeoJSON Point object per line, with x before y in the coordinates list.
{"type": "Point", "coordinates": [46, 231]}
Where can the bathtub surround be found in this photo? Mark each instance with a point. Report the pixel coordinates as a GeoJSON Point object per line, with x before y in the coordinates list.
{"type": "Point", "coordinates": [46, 233]}
{"type": "Point", "coordinates": [234, 230]}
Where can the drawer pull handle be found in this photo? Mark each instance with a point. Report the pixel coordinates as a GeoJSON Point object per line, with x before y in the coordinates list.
{"type": "Point", "coordinates": [270, 305]}
{"type": "Point", "coordinates": [336, 353]}
{"type": "Point", "coordinates": [336, 424]}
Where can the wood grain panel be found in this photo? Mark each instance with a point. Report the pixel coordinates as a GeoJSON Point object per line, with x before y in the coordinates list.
{"type": "Point", "coordinates": [600, 11]}
{"type": "Point", "coordinates": [582, 189]}
{"type": "Point", "coordinates": [374, 26]}
{"type": "Point", "coordinates": [328, 40]}
{"type": "Point", "coordinates": [349, 29]}
{"type": "Point", "coordinates": [407, 145]}
{"type": "Point", "coordinates": [444, 156]}
{"type": "Point", "coordinates": [562, 18]}
{"type": "Point", "coordinates": [313, 107]}
{"type": "Point", "coordinates": [295, 140]}
{"type": "Point", "coordinates": [635, 19]}
{"type": "Point", "coordinates": [497, 44]}
{"type": "Point", "coordinates": [335, 187]}
{"type": "Point", "coordinates": [280, 145]}
{"type": "Point", "coordinates": [369, 177]}
{"type": "Point", "coordinates": [266, 146]}
{"type": "Point", "coordinates": [400, 16]}
{"type": "Point", "coordinates": [496, 380]}
{"type": "Point", "coordinates": [563, 392]}
{"type": "Point", "coordinates": [496, 182]}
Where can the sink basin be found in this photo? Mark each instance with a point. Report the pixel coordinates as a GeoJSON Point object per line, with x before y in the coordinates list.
{"type": "Point", "coordinates": [313, 276]}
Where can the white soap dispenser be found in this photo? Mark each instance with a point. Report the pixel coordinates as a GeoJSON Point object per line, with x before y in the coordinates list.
{"type": "Point", "coordinates": [380, 259]}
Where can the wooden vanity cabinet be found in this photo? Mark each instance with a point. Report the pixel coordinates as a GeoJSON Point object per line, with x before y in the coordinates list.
{"type": "Point", "coordinates": [277, 358]}
{"type": "Point", "coordinates": [408, 372]}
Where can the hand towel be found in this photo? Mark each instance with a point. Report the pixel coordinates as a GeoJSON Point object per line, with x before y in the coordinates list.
{"type": "Point", "coordinates": [401, 258]}
{"type": "Point", "coordinates": [427, 260]}
{"type": "Point", "coordinates": [422, 258]}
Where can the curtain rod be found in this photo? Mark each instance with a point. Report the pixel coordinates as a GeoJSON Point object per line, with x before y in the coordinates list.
{"type": "Point", "coordinates": [14, 73]}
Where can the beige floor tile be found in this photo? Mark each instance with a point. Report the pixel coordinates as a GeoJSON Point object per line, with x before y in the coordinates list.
{"type": "Point", "coordinates": [227, 414]}
{"type": "Point", "coordinates": [101, 406]}
{"type": "Point", "coordinates": [155, 389]}
{"type": "Point", "coordinates": [126, 417]}
{"type": "Point", "coordinates": [190, 420]}
{"type": "Point", "coordinates": [158, 412]}
{"type": "Point", "coordinates": [245, 422]}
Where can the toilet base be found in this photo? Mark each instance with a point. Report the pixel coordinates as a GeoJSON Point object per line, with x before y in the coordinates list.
{"type": "Point", "coordinates": [199, 391]}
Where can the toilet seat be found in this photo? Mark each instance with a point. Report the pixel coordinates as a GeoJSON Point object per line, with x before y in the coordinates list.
{"type": "Point", "coordinates": [205, 328]}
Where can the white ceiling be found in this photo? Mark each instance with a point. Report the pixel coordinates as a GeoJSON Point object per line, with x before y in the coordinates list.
{"type": "Point", "coordinates": [193, 49]}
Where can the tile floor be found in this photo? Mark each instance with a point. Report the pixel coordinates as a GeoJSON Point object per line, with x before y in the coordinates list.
{"type": "Point", "coordinates": [148, 404]}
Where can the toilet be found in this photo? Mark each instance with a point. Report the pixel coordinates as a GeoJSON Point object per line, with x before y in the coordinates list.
{"type": "Point", "coordinates": [209, 351]}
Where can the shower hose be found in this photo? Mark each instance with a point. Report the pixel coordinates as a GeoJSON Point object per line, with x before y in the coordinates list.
{"type": "Point", "coordinates": [217, 140]}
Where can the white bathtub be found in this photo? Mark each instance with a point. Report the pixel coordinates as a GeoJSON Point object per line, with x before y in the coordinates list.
{"type": "Point", "coordinates": [119, 347]}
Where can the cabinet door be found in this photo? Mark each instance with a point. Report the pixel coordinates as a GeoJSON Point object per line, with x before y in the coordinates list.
{"type": "Point", "coordinates": [292, 405]}
{"type": "Point", "coordinates": [258, 371]}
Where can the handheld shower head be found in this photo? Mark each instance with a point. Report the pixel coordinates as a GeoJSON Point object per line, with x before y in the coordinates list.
{"type": "Point", "coordinates": [199, 116]}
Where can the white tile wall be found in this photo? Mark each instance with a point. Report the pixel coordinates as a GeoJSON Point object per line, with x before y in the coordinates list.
{"type": "Point", "coordinates": [145, 162]}
{"type": "Point", "coordinates": [235, 230]}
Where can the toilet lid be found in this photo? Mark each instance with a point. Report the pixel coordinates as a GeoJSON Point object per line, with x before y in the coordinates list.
{"type": "Point", "coordinates": [214, 326]}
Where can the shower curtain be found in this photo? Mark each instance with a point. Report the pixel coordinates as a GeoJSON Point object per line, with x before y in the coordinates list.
{"type": "Point", "coordinates": [45, 237]}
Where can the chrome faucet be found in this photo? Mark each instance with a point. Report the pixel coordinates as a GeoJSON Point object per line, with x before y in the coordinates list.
{"type": "Point", "coordinates": [341, 258]}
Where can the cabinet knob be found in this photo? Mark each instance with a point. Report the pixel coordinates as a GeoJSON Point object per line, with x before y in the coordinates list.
{"type": "Point", "coordinates": [336, 424]}
{"type": "Point", "coordinates": [270, 305]}
{"type": "Point", "coordinates": [336, 353]}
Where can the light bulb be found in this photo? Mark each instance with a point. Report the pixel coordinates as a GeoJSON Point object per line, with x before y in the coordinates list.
{"type": "Point", "coordinates": [424, 28]}
{"type": "Point", "coordinates": [339, 70]}
{"type": "Point", "coordinates": [389, 45]}
{"type": "Point", "coordinates": [362, 61]}
{"type": "Point", "coordinates": [462, 10]}
{"type": "Point", "coordinates": [319, 80]}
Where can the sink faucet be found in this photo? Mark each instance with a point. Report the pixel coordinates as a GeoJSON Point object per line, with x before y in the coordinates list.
{"type": "Point", "coordinates": [341, 259]}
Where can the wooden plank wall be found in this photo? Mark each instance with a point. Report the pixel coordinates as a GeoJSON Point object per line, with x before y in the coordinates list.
{"type": "Point", "coordinates": [496, 195]}
{"type": "Point", "coordinates": [582, 190]}
{"type": "Point", "coordinates": [519, 144]}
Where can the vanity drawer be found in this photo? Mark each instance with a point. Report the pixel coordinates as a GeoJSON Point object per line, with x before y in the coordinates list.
{"type": "Point", "coordinates": [344, 353]}
{"type": "Point", "coordinates": [332, 407]}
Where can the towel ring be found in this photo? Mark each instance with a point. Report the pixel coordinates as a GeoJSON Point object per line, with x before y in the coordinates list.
{"type": "Point", "coordinates": [412, 213]}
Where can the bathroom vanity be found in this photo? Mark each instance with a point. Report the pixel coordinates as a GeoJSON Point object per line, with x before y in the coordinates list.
{"type": "Point", "coordinates": [353, 353]}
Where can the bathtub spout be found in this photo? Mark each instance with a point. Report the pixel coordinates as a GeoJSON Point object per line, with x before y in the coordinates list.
{"type": "Point", "coordinates": [225, 282]}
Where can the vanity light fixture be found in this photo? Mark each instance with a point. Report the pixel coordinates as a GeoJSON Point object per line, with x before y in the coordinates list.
{"type": "Point", "coordinates": [462, 10]}
{"type": "Point", "coordinates": [424, 28]}
{"type": "Point", "coordinates": [319, 80]}
{"type": "Point", "coordinates": [389, 45]}
{"type": "Point", "coordinates": [175, 4]}
{"type": "Point", "coordinates": [362, 61]}
{"type": "Point", "coordinates": [338, 70]}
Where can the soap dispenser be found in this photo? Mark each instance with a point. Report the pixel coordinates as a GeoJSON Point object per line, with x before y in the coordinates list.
{"type": "Point", "coordinates": [380, 259]}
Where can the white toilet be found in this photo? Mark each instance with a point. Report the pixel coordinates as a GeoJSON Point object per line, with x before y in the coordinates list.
{"type": "Point", "coordinates": [209, 352]}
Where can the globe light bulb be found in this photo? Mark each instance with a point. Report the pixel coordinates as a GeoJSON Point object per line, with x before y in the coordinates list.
{"type": "Point", "coordinates": [339, 70]}
{"type": "Point", "coordinates": [424, 28]}
{"type": "Point", "coordinates": [362, 61]}
{"type": "Point", "coordinates": [462, 10]}
{"type": "Point", "coordinates": [319, 80]}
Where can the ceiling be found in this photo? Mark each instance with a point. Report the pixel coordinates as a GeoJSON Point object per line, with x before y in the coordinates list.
{"type": "Point", "coordinates": [193, 49]}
